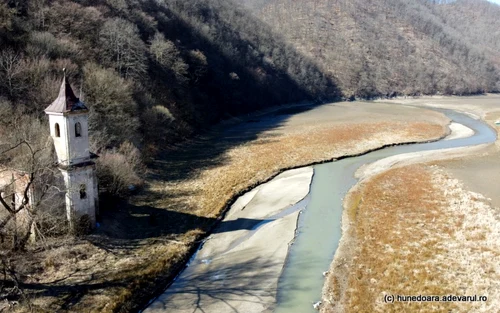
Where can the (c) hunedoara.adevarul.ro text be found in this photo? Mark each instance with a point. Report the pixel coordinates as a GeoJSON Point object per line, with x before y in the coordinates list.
{"type": "Point", "coordinates": [433, 298]}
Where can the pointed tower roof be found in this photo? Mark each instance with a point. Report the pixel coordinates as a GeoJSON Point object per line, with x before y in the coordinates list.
{"type": "Point", "coordinates": [66, 100]}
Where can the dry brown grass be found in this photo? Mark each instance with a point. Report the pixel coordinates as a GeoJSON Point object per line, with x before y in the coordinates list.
{"type": "Point", "coordinates": [415, 231]}
{"type": "Point", "coordinates": [249, 164]}
{"type": "Point", "coordinates": [117, 278]}
{"type": "Point", "coordinates": [393, 255]}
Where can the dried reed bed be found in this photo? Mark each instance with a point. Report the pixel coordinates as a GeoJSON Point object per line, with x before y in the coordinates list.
{"type": "Point", "coordinates": [119, 276]}
{"type": "Point", "coordinates": [209, 190]}
{"type": "Point", "coordinates": [414, 230]}
{"type": "Point", "coordinates": [254, 162]}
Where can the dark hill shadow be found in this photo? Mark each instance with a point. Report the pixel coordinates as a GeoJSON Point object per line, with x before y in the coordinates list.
{"type": "Point", "coordinates": [207, 150]}
{"type": "Point", "coordinates": [269, 70]}
{"type": "Point", "coordinates": [125, 225]}
{"type": "Point", "coordinates": [237, 42]}
{"type": "Point", "coordinates": [151, 222]}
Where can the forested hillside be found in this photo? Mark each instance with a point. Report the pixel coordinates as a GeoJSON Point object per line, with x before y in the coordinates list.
{"type": "Point", "coordinates": [394, 47]}
{"type": "Point", "coordinates": [154, 73]}
{"type": "Point", "coordinates": [150, 71]}
{"type": "Point", "coordinates": [478, 22]}
{"type": "Point", "coordinates": [158, 70]}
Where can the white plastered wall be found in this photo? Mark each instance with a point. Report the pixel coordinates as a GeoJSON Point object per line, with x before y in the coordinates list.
{"type": "Point", "coordinates": [69, 148]}
{"type": "Point", "coordinates": [76, 206]}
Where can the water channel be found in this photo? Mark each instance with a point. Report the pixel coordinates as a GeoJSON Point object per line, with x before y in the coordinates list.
{"type": "Point", "coordinates": [319, 226]}
{"type": "Point", "coordinates": [317, 235]}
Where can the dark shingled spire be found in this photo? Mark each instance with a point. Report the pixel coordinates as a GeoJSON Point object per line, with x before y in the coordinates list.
{"type": "Point", "coordinates": [66, 100]}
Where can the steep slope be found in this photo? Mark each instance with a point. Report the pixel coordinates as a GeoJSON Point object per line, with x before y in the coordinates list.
{"type": "Point", "coordinates": [170, 67]}
{"type": "Point", "coordinates": [174, 67]}
{"type": "Point", "coordinates": [478, 22]}
{"type": "Point", "coordinates": [391, 47]}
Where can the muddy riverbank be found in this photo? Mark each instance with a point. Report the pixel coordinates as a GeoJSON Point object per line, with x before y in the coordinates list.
{"type": "Point", "coordinates": [438, 176]}
{"type": "Point", "coordinates": [316, 135]}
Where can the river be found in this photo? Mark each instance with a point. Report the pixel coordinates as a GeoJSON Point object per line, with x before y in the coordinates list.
{"type": "Point", "coordinates": [319, 229]}
{"type": "Point", "coordinates": [237, 286]}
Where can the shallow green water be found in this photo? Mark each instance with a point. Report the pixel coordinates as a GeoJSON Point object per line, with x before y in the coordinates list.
{"type": "Point", "coordinates": [319, 229]}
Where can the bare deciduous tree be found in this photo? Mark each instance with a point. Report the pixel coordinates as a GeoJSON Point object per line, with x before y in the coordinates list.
{"type": "Point", "coordinates": [10, 69]}
{"type": "Point", "coordinates": [112, 109]}
{"type": "Point", "coordinates": [200, 64]}
{"type": "Point", "coordinates": [166, 54]}
{"type": "Point", "coordinates": [122, 47]}
{"type": "Point", "coordinates": [27, 159]}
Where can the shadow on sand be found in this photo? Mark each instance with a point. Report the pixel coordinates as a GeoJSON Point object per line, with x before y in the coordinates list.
{"type": "Point", "coordinates": [129, 225]}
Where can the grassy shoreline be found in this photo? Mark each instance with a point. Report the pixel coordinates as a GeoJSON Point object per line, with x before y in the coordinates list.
{"type": "Point", "coordinates": [448, 249]}
{"type": "Point", "coordinates": [196, 245]}
{"type": "Point", "coordinates": [140, 247]}
{"type": "Point", "coordinates": [414, 230]}
{"type": "Point", "coordinates": [438, 132]}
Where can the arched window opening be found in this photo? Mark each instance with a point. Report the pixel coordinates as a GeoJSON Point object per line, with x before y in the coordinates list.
{"type": "Point", "coordinates": [78, 129]}
{"type": "Point", "coordinates": [83, 191]}
{"type": "Point", "coordinates": [58, 130]}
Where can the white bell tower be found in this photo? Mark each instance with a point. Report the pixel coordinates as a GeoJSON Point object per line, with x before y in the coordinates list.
{"type": "Point", "coordinates": [68, 119]}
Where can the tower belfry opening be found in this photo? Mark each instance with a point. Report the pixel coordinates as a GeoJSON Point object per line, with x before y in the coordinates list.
{"type": "Point", "coordinates": [68, 119]}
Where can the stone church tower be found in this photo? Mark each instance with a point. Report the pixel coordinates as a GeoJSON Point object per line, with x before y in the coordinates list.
{"type": "Point", "coordinates": [68, 119]}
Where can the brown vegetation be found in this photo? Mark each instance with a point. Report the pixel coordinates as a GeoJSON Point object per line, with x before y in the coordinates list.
{"type": "Point", "coordinates": [394, 47]}
{"type": "Point", "coordinates": [414, 231]}
{"type": "Point", "coordinates": [155, 72]}
{"type": "Point", "coordinates": [140, 245]}
{"type": "Point", "coordinates": [254, 162]}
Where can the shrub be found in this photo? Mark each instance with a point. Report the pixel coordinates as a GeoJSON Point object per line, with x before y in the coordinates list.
{"type": "Point", "coordinates": [118, 170]}
{"type": "Point", "coordinates": [166, 54]}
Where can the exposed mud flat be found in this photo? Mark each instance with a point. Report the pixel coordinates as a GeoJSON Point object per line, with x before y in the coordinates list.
{"type": "Point", "coordinates": [478, 173]}
{"type": "Point", "coordinates": [475, 167]}
{"type": "Point", "coordinates": [238, 268]}
{"type": "Point", "coordinates": [459, 131]}
{"type": "Point", "coordinates": [424, 235]}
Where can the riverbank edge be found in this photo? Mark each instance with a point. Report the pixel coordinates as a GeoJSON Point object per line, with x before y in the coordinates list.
{"type": "Point", "coordinates": [336, 275]}
{"type": "Point", "coordinates": [163, 282]}
{"type": "Point", "coordinates": [272, 306]}
{"type": "Point", "coordinates": [288, 231]}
